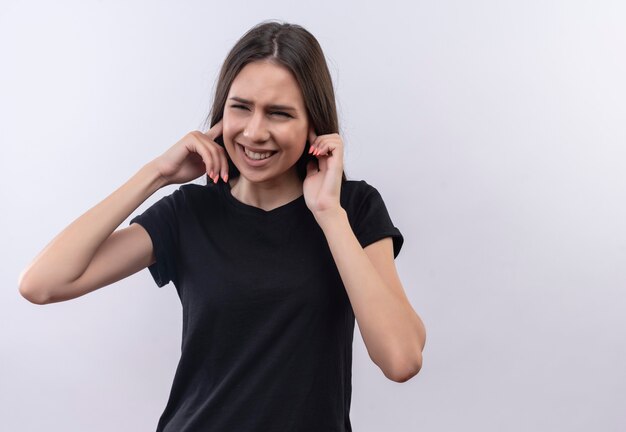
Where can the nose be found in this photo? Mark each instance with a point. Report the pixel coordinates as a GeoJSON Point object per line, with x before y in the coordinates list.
{"type": "Point", "coordinates": [255, 129]}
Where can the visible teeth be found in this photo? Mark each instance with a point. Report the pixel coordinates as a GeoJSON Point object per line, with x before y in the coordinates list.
{"type": "Point", "coordinates": [257, 156]}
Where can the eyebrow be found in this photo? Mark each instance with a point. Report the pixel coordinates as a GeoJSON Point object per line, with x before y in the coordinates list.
{"type": "Point", "coordinates": [276, 107]}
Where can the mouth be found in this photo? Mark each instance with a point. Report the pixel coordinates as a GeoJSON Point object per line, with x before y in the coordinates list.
{"type": "Point", "coordinates": [256, 157]}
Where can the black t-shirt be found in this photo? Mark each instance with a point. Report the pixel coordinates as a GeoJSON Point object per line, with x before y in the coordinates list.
{"type": "Point", "coordinates": [267, 323]}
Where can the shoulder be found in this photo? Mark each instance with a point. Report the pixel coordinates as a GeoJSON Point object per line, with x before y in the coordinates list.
{"type": "Point", "coordinates": [355, 192]}
{"type": "Point", "coordinates": [350, 188]}
{"type": "Point", "coordinates": [359, 198]}
{"type": "Point", "coordinates": [192, 191]}
{"type": "Point", "coordinates": [195, 189]}
{"type": "Point", "coordinates": [368, 214]}
{"type": "Point", "coordinates": [189, 196]}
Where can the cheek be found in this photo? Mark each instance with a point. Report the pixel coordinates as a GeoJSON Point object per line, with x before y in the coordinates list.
{"type": "Point", "coordinates": [296, 135]}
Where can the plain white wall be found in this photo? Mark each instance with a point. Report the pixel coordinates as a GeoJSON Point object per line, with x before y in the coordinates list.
{"type": "Point", "coordinates": [493, 129]}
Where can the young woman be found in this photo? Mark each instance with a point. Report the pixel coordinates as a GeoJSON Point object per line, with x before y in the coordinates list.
{"type": "Point", "coordinates": [273, 259]}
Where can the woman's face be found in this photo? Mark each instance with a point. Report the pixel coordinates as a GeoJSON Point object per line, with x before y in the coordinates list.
{"type": "Point", "coordinates": [265, 114]}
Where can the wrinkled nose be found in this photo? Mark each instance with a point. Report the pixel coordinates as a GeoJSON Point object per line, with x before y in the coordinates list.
{"type": "Point", "coordinates": [256, 129]}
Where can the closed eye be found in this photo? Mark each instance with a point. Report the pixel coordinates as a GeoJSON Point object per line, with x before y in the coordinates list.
{"type": "Point", "coordinates": [281, 113]}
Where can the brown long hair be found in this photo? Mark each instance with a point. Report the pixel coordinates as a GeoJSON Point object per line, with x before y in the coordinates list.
{"type": "Point", "coordinates": [293, 47]}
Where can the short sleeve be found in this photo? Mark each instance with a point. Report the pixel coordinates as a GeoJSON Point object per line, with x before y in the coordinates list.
{"type": "Point", "coordinates": [372, 220]}
{"type": "Point", "coordinates": [161, 221]}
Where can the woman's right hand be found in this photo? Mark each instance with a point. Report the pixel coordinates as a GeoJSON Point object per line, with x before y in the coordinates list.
{"type": "Point", "coordinates": [192, 156]}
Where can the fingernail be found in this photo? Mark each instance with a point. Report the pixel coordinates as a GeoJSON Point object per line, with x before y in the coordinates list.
{"type": "Point", "coordinates": [226, 178]}
{"type": "Point", "coordinates": [211, 174]}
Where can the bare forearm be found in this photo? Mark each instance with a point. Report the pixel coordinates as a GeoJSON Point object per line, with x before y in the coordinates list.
{"type": "Point", "coordinates": [67, 256]}
{"type": "Point", "coordinates": [389, 325]}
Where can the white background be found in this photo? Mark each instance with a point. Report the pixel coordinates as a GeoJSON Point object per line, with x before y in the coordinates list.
{"type": "Point", "coordinates": [494, 130]}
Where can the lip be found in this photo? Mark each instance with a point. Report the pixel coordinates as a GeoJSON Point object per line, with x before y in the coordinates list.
{"type": "Point", "coordinates": [253, 162]}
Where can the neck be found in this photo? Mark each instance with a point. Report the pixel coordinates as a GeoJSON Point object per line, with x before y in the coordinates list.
{"type": "Point", "coordinates": [268, 194]}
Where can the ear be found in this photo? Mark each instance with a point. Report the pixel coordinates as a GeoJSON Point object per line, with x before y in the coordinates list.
{"type": "Point", "coordinates": [311, 135]}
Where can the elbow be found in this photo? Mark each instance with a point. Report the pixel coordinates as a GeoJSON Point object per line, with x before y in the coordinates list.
{"type": "Point", "coordinates": [408, 364]}
{"type": "Point", "coordinates": [31, 294]}
{"type": "Point", "coordinates": [405, 370]}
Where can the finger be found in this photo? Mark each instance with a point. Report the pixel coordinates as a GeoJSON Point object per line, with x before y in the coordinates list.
{"type": "Point", "coordinates": [322, 162]}
{"type": "Point", "coordinates": [326, 146]}
{"type": "Point", "coordinates": [206, 157]}
{"type": "Point", "coordinates": [216, 130]}
{"type": "Point", "coordinates": [315, 146]}
{"type": "Point", "coordinates": [320, 145]}
{"type": "Point", "coordinates": [214, 164]}
{"type": "Point", "coordinates": [224, 160]}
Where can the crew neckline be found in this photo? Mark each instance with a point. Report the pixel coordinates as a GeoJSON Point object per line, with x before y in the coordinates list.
{"type": "Point", "coordinates": [250, 209]}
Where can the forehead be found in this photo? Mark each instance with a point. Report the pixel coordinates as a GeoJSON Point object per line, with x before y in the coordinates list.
{"type": "Point", "coordinates": [266, 83]}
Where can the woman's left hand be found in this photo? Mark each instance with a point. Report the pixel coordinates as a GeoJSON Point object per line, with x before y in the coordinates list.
{"type": "Point", "coordinates": [322, 188]}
